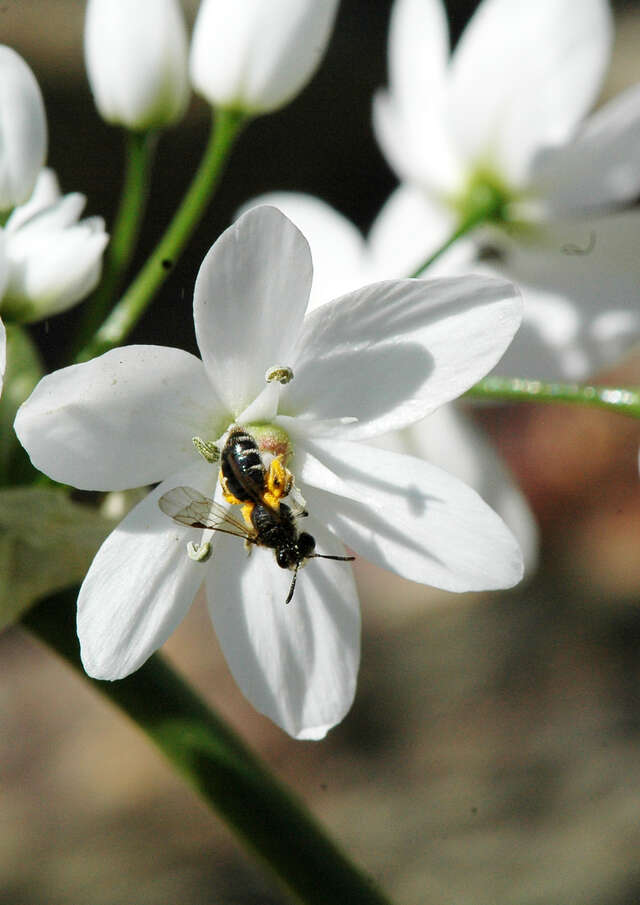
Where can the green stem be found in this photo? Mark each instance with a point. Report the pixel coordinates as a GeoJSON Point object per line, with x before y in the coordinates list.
{"type": "Point", "coordinates": [478, 216]}
{"type": "Point", "coordinates": [221, 769]}
{"type": "Point", "coordinates": [140, 148]}
{"type": "Point", "coordinates": [621, 400]}
{"type": "Point", "coordinates": [136, 299]}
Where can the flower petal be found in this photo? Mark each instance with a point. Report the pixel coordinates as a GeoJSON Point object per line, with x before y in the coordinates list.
{"type": "Point", "coordinates": [249, 302]}
{"type": "Point", "coordinates": [413, 519]}
{"type": "Point", "coordinates": [45, 193]}
{"type": "Point", "coordinates": [601, 166]}
{"type": "Point", "coordinates": [23, 129]}
{"type": "Point", "coordinates": [49, 271]}
{"type": "Point", "coordinates": [524, 75]}
{"type": "Point", "coordinates": [256, 56]}
{"type": "Point", "coordinates": [394, 351]}
{"type": "Point", "coordinates": [337, 246]}
{"type": "Point", "coordinates": [409, 119]}
{"type": "Point", "coordinates": [449, 439]}
{"type": "Point", "coordinates": [140, 585]}
{"type": "Point", "coordinates": [121, 420]}
{"type": "Point", "coordinates": [408, 229]}
{"type": "Point", "coordinates": [136, 59]}
{"type": "Point", "coordinates": [572, 276]}
{"type": "Point", "coordinates": [297, 664]}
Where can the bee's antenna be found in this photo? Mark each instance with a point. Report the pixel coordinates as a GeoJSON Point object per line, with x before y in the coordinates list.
{"type": "Point", "coordinates": [293, 584]}
{"type": "Point", "coordinates": [326, 556]}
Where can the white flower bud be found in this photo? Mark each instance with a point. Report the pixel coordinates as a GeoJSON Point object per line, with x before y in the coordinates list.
{"type": "Point", "coordinates": [256, 55]}
{"type": "Point", "coordinates": [53, 259]}
{"type": "Point", "coordinates": [136, 59]}
{"type": "Point", "coordinates": [23, 129]}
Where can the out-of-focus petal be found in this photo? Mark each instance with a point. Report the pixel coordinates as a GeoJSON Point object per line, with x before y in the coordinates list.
{"type": "Point", "coordinates": [136, 59]}
{"type": "Point", "coordinates": [122, 420]}
{"type": "Point", "coordinates": [408, 229]}
{"type": "Point", "coordinates": [337, 247]}
{"type": "Point", "coordinates": [23, 129]}
{"type": "Point", "coordinates": [410, 119]}
{"type": "Point", "coordinates": [45, 193]}
{"type": "Point", "coordinates": [257, 55]}
{"type": "Point", "coordinates": [51, 271]}
{"type": "Point", "coordinates": [394, 351]}
{"type": "Point", "coordinates": [600, 167]}
{"type": "Point", "coordinates": [524, 75]}
{"type": "Point", "coordinates": [297, 664]}
{"type": "Point", "coordinates": [249, 302]}
{"type": "Point", "coordinates": [570, 275]}
{"type": "Point", "coordinates": [413, 519]}
{"type": "Point", "coordinates": [139, 587]}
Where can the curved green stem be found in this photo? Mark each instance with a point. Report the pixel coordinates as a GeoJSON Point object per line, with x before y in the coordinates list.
{"type": "Point", "coordinates": [490, 211]}
{"type": "Point", "coordinates": [221, 769]}
{"type": "Point", "coordinates": [623, 401]}
{"type": "Point", "coordinates": [140, 149]}
{"type": "Point", "coordinates": [134, 302]}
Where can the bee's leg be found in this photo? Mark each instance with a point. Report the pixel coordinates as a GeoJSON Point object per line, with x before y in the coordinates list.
{"type": "Point", "coordinates": [247, 512]}
{"type": "Point", "coordinates": [226, 493]}
{"type": "Point", "coordinates": [279, 482]}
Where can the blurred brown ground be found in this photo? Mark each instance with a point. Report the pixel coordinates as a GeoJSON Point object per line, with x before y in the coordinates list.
{"type": "Point", "coordinates": [492, 756]}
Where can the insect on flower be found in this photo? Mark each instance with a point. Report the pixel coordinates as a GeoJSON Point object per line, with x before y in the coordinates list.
{"type": "Point", "coordinates": [246, 482]}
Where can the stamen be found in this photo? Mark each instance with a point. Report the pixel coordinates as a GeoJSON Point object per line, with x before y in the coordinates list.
{"type": "Point", "coordinates": [198, 552]}
{"type": "Point", "coordinates": [282, 374]}
{"type": "Point", "coordinates": [209, 451]}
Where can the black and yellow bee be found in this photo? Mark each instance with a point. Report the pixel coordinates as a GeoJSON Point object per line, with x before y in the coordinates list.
{"type": "Point", "coordinates": [245, 481]}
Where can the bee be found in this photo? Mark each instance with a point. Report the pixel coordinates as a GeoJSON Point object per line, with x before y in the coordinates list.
{"type": "Point", "coordinates": [268, 522]}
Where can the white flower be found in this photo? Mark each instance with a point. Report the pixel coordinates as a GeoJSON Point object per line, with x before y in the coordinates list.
{"type": "Point", "coordinates": [23, 129]}
{"type": "Point", "coordinates": [370, 362]}
{"type": "Point", "coordinates": [52, 260]}
{"type": "Point", "coordinates": [256, 55]}
{"type": "Point", "coordinates": [501, 120]}
{"type": "Point", "coordinates": [136, 59]}
{"type": "Point", "coordinates": [344, 260]}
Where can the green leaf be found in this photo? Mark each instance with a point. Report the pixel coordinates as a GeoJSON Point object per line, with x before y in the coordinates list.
{"type": "Point", "coordinates": [47, 543]}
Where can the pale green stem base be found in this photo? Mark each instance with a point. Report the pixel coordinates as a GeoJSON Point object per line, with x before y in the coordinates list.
{"type": "Point", "coordinates": [136, 299]}
{"type": "Point", "coordinates": [621, 400]}
{"type": "Point", "coordinates": [221, 769]}
{"type": "Point", "coordinates": [140, 148]}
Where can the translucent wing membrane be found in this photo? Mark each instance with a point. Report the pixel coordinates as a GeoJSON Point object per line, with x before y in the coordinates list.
{"type": "Point", "coordinates": [191, 508]}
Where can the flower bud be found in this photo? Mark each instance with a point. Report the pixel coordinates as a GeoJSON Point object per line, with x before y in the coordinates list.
{"type": "Point", "coordinates": [136, 59]}
{"type": "Point", "coordinates": [53, 261]}
{"type": "Point", "coordinates": [23, 129]}
{"type": "Point", "coordinates": [256, 55]}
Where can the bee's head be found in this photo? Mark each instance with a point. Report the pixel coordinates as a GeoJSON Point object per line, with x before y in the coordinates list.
{"type": "Point", "coordinates": [292, 555]}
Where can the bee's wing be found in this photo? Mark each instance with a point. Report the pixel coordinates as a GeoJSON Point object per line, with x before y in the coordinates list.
{"type": "Point", "coordinates": [189, 507]}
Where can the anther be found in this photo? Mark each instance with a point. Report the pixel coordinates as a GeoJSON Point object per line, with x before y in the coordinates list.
{"type": "Point", "coordinates": [198, 552]}
{"type": "Point", "coordinates": [283, 375]}
{"type": "Point", "coordinates": [208, 451]}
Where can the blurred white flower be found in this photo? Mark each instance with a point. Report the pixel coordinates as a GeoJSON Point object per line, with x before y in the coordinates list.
{"type": "Point", "coordinates": [256, 55]}
{"type": "Point", "coordinates": [136, 60]}
{"type": "Point", "coordinates": [3, 281]}
{"type": "Point", "coordinates": [344, 260]}
{"type": "Point", "coordinates": [370, 362]}
{"type": "Point", "coordinates": [500, 121]}
{"type": "Point", "coordinates": [53, 260]}
{"type": "Point", "coordinates": [23, 129]}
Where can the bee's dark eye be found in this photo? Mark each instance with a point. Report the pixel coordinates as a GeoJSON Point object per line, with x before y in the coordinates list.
{"type": "Point", "coordinates": [306, 544]}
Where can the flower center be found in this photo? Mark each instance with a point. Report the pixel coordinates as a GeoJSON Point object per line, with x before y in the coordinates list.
{"type": "Point", "coordinates": [486, 198]}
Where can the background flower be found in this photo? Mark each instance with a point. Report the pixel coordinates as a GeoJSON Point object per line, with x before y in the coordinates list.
{"type": "Point", "coordinates": [23, 129]}
{"type": "Point", "coordinates": [257, 55]}
{"type": "Point", "coordinates": [136, 59]}
{"type": "Point", "coordinates": [53, 259]}
{"type": "Point", "coordinates": [505, 125]}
